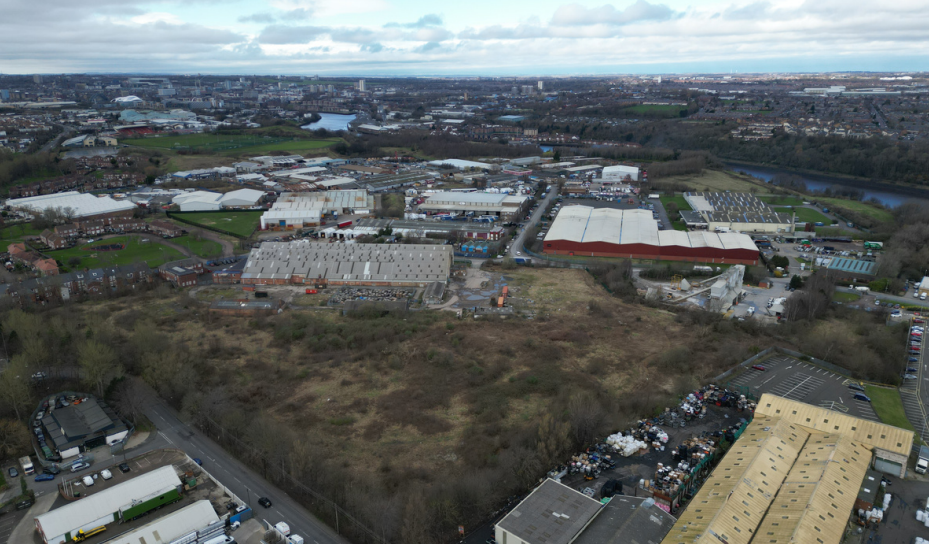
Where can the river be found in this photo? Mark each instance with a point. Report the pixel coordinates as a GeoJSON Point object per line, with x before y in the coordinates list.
{"type": "Point", "coordinates": [331, 121]}
{"type": "Point", "coordinates": [887, 196]}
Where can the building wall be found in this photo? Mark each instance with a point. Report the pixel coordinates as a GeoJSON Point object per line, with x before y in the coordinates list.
{"type": "Point", "coordinates": [644, 251]}
{"type": "Point", "coordinates": [751, 227]}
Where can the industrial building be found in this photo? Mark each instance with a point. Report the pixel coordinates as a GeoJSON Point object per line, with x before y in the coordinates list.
{"type": "Point", "coordinates": [69, 430]}
{"type": "Point", "coordinates": [197, 201]}
{"type": "Point", "coordinates": [74, 204]}
{"type": "Point", "coordinates": [460, 164]}
{"type": "Point", "coordinates": [124, 501]}
{"type": "Point", "coordinates": [496, 204]}
{"type": "Point", "coordinates": [195, 523]}
{"type": "Point", "coordinates": [793, 476]}
{"type": "Point", "coordinates": [737, 212]}
{"type": "Point", "coordinates": [298, 210]}
{"type": "Point", "coordinates": [304, 262]}
{"type": "Point", "coordinates": [552, 514]}
{"type": "Point", "coordinates": [634, 234]}
{"type": "Point", "coordinates": [620, 173]}
{"type": "Point", "coordinates": [923, 286]}
{"type": "Point", "coordinates": [434, 229]}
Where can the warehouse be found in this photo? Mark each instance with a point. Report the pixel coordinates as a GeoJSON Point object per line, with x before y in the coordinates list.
{"type": "Point", "coordinates": [793, 476]}
{"type": "Point", "coordinates": [296, 210]}
{"type": "Point", "coordinates": [124, 501]}
{"type": "Point", "coordinates": [634, 234]}
{"type": "Point", "coordinates": [496, 204]}
{"type": "Point", "coordinates": [197, 201]}
{"type": "Point", "coordinates": [304, 262]}
{"type": "Point", "coordinates": [552, 514]}
{"type": "Point", "coordinates": [620, 173]}
{"type": "Point", "coordinates": [460, 164]}
{"type": "Point", "coordinates": [738, 212]}
{"type": "Point", "coordinates": [69, 430]}
{"type": "Point", "coordinates": [433, 229]}
{"type": "Point", "coordinates": [74, 204]}
{"type": "Point", "coordinates": [197, 520]}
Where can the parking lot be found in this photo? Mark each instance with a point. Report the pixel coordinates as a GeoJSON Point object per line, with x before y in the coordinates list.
{"type": "Point", "coordinates": [791, 378]}
{"type": "Point", "coordinates": [72, 483]}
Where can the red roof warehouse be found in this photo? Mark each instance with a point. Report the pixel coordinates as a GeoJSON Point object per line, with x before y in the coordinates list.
{"type": "Point", "coordinates": [606, 232]}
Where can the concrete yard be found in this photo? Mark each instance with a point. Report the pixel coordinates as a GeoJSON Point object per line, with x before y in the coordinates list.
{"type": "Point", "coordinates": [791, 378]}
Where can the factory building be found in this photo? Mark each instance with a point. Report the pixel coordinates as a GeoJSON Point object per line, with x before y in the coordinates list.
{"type": "Point", "coordinates": [433, 229]}
{"type": "Point", "coordinates": [74, 204]}
{"type": "Point", "coordinates": [195, 523]}
{"type": "Point", "coordinates": [496, 204]}
{"type": "Point", "coordinates": [197, 201]}
{"type": "Point", "coordinates": [303, 262]}
{"type": "Point", "coordinates": [121, 502]}
{"type": "Point", "coordinates": [737, 212]}
{"type": "Point", "coordinates": [793, 476]}
{"type": "Point", "coordinates": [620, 173]}
{"type": "Point", "coordinates": [634, 234]}
{"type": "Point", "coordinates": [298, 210]}
{"type": "Point", "coordinates": [78, 427]}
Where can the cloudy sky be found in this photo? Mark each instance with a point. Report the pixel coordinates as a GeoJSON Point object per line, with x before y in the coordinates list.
{"type": "Point", "coordinates": [470, 37]}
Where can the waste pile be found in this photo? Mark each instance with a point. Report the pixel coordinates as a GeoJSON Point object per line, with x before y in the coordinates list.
{"type": "Point", "coordinates": [693, 406]}
{"type": "Point", "coordinates": [625, 445]}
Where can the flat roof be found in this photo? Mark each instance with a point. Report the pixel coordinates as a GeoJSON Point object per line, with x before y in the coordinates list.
{"type": "Point", "coordinates": [83, 204]}
{"type": "Point", "coordinates": [168, 528]}
{"type": "Point", "coordinates": [552, 514]}
{"type": "Point", "coordinates": [854, 266]}
{"type": "Point", "coordinates": [74, 515]}
{"type": "Point", "coordinates": [628, 520]}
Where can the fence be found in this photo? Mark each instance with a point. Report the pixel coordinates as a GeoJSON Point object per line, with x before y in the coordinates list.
{"type": "Point", "coordinates": [323, 507]}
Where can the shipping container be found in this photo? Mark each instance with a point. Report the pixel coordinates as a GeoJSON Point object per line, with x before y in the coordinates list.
{"type": "Point", "coordinates": [344, 224]}
{"type": "Point", "coordinates": [311, 291]}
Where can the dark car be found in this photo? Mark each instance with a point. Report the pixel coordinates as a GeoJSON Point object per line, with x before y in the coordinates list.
{"type": "Point", "coordinates": [862, 396]}
{"type": "Point", "coordinates": [44, 477]}
{"type": "Point", "coordinates": [13, 472]}
{"type": "Point", "coordinates": [855, 387]}
{"type": "Point", "coordinates": [198, 461]}
{"type": "Point", "coordinates": [264, 501]}
{"type": "Point", "coordinates": [758, 367]}
{"type": "Point", "coordinates": [52, 470]}
{"type": "Point", "coordinates": [22, 505]}
{"type": "Point", "coordinates": [124, 467]}
{"type": "Point", "coordinates": [911, 369]}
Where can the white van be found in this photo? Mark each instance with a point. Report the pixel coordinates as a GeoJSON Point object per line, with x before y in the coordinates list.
{"type": "Point", "coordinates": [283, 528]}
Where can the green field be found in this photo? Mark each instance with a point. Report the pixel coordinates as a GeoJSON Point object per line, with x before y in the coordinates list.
{"type": "Point", "coordinates": [806, 215]}
{"type": "Point", "coordinates": [203, 248]}
{"type": "Point", "coordinates": [17, 233]}
{"type": "Point", "coordinates": [682, 205]}
{"type": "Point", "coordinates": [152, 253]}
{"type": "Point", "coordinates": [232, 143]}
{"type": "Point", "coordinates": [239, 223]}
{"type": "Point", "coordinates": [874, 212]}
{"type": "Point", "coordinates": [888, 406]}
{"type": "Point", "coordinates": [841, 296]}
{"type": "Point", "coordinates": [656, 110]}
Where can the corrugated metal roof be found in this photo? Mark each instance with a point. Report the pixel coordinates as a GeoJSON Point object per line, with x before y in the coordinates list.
{"type": "Point", "coordinates": [868, 268]}
{"type": "Point", "coordinates": [73, 516]}
{"type": "Point", "coordinates": [552, 514]}
{"type": "Point", "coordinates": [878, 435]}
{"type": "Point", "coordinates": [186, 520]}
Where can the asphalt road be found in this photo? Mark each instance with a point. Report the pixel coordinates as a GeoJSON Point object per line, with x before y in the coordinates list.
{"type": "Point", "coordinates": [238, 478]}
{"type": "Point", "coordinates": [517, 245]}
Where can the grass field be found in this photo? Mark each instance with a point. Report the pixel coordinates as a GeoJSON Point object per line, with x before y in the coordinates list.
{"type": "Point", "coordinates": [807, 215]}
{"type": "Point", "coordinates": [17, 233]}
{"type": "Point", "coordinates": [237, 223]}
{"type": "Point", "coordinates": [716, 180]}
{"type": "Point", "coordinates": [152, 253]}
{"type": "Point", "coordinates": [874, 212]}
{"type": "Point", "coordinates": [203, 248]}
{"type": "Point", "coordinates": [682, 205]}
{"type": "Point", "coordinates": [230, 144]}
{"type": "Point", "coordinates": [840, 296]}
{"type": "Point", "coordinates": [886, 402]}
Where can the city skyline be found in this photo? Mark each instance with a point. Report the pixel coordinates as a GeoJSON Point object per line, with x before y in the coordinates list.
{"type": "Point", "coordinates": [397, 38]}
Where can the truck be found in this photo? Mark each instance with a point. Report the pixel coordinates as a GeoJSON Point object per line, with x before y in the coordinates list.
{"type": "Point", "coordinates": [345, 224]}
{"type": "Point", "coordinates": [874, 245]}
{"type": "Point", "coordinates": [83, 535]}
{"type": "Point", "coordinates": [863, 289]}
{"type": "Point", "coordinates": [922, 463]}
{"type": "Point", "coordinates": [26, 463]}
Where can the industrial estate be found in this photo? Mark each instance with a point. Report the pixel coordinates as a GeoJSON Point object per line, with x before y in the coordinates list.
{"type": "Point", "coordinates": [282, 310]}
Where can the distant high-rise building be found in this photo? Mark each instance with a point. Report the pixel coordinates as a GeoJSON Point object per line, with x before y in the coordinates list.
{"type": "Point", "coordinates": [37, 78]}
{"type": "Point", "coordinates": [4, 95]}
{"type": "Point", "coordinates": [330, 88]}
{"type": "Point", "coordinates": [541, 86]}
{"type": "Point", "coordinates": [514, 90]}
{"type": "Point", "coordinates": [361, 85]}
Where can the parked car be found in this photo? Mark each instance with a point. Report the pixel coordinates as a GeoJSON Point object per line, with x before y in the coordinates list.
{"type": "Point", "coordinates": [123, 467]}
{"type": "Point", "coordinates": [88, 481]}
{"type": "Point", "coordinates": [909, 377]}
{"type": "Point", "coordinates": [53, 470]}
{"type": "Point", "coordinates": [758, 367]}
{"type": "Point", "coordinates": [264, 501]}
{"type": "Point", "coordinates": [13, 472]}
{"type": "Point", "coordinates": [855, 387]}
{"type": "Point", "coordinates": [198, 461]}
{"type": "Point", "coordinates": [862, 396]}
{"type": "Point", "coordinates": [106, 474]}
{"type": "Point", "coordinates": [79, 466]}
{"type": "Point", "coordinates": [44, 477]}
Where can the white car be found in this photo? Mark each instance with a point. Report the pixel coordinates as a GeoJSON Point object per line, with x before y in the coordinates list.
{"type": "Point", "coordinates": [106, 474]}
{"type": "Point", "coordinates": [518, 254]}
{"type": "Point", "coordinates": [88, 481]}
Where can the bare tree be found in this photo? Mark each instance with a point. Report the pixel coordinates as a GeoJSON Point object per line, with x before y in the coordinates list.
{"type": "Point", "coordinates": [98, 364]}
{"type": "Point", "coordinates": [14, 386]}
{"type": "Point", "coordinates": [131, 399]}
{"type": "Point", "coordinates": [552, 439]}
{"type": "Point", "coordinates": [586, 417]}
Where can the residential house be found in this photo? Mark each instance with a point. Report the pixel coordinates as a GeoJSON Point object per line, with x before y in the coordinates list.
{"type": "Point", "coordinates": [53, 240]}
{"type": "Point", "coordinates": [46, 267]}
{"type": "Point", "coordinates": [68, 230]}
{"type": "Point", "coordinates": [165, 228]}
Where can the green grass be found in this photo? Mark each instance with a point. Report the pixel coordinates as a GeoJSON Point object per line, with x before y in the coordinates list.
{"type": "Point", "coordinates": [678, 200]}
{"type": "Point", "coordinates": [203, 248]}
{"type": "Point", "coordinates": [841, 296]}
{"type": "Point", "coordinates": [17, 233]}
{"type": "Point", "coordinates": [239, 223]}
{"type": "Point", "coordinates": [232, 143]}
{"type": "Point", "coordinates": [806, 215]}
{"type": "Point", "coordinates": [152, 253]}
{"type": "Point", "coordinates": [879, 214]}
{"type": "Point", "coordinates": [888, 406]}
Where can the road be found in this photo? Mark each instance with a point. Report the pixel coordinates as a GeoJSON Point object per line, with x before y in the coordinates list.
{"type": "Point", "coordinates": [238, 478]}
{"type": "Point", "coordinates": [67, 131]}
{"type": "Point", "coordinates": [885, 297]}
{"type": "Point", "coordinates": [517, 245]}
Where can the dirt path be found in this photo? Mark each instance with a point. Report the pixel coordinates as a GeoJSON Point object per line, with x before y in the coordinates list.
{"type": "Point", "coordinates": [228, 247]}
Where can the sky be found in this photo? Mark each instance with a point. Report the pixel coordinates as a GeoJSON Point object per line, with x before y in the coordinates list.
{"type": "Point", "coordinates": [467, 38]}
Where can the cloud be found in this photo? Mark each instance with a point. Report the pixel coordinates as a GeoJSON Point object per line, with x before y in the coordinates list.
{"type": "Point", "coordinates": [284, 34]}
{"type": "Point", "coordinates": [372, 47]}
{"type": "Point", "coordinates": [264, 18]}
{"type": "Point", "coordinates": [430, 19]}
{"type": "Point", "coordinates": [329, 8]}
{"type": "Point", "coordinates": [577, 15]}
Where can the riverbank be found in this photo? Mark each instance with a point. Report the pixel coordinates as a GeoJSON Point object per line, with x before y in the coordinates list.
{"type": "Point", "coordinates": [902, 190]}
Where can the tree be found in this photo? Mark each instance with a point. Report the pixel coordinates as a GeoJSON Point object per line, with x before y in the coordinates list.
{"type": "Point", "coordinates": [552, 439]}
{"type": "Point", "coordinates": [131, 399]}
{"type": "Point", "coordinates": [14, 438]}
{"type": "Point", "coordinates": [586, 417]}
{"type": "Point", "coordinates": [796, 282]}
{"type": "Point", "coordinates": [98, 364]}
{"type": "Point", "coordinates": [14, 387]}
{"type": "Point", "coordinates": [556, 157]}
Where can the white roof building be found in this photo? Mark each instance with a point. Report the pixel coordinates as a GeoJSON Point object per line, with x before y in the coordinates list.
{"type": "Point", "coordinates": [483, 203]}
{"type": "Point", "coordinates": [99, 509]}
{"type": "Point", "coordinates": [198, 201]}
{"type": "Point", "coordinates": [241, 198]}
{"type": "Point", "coordinates": [462, 164]}
{"type": "Point", "coordinates": [186, 521]}
{"type": "Point", "coordinates": [81, 204]}
{"type": "Point", "coordinates": [619, 173]}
